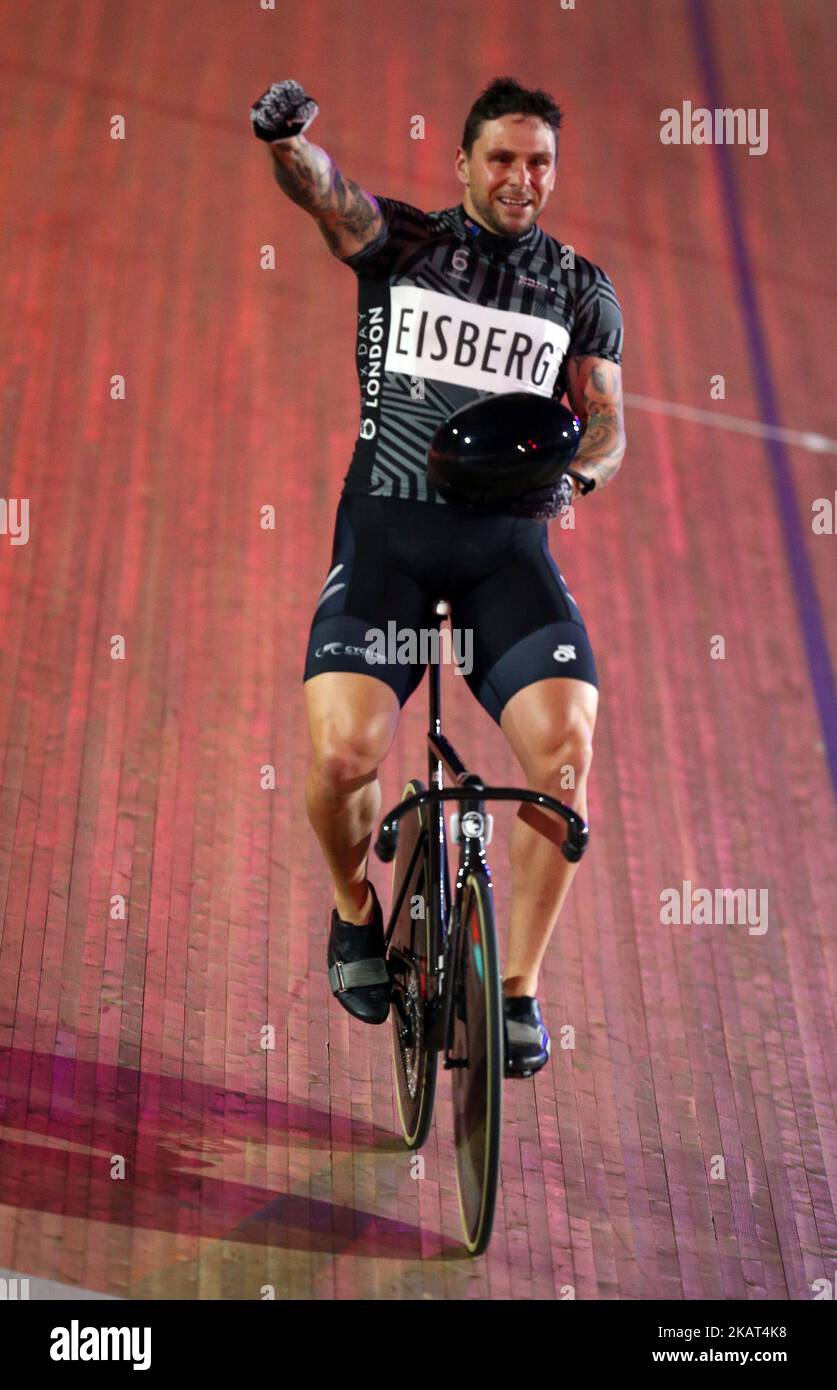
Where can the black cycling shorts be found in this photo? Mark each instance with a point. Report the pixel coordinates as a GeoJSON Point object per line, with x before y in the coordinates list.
{"type": "Point", "coordinates": [513, 621]}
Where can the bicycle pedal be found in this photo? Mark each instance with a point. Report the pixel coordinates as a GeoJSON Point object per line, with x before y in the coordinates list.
{"type": "Point", "coordinates": [475, 826]}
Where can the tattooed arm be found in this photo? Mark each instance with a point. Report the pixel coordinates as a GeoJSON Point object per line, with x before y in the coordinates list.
{"type": "Point", "coordinates": [594, 387]}
{"type": "Point", "coordinates": [347, 217]}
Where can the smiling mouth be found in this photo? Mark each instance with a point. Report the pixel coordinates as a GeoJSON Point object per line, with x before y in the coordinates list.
{"type": "Point", "coordinates": [515, 202]}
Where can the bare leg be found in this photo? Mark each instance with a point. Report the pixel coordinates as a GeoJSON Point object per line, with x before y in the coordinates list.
{"type": "Point", "coordinates": [550, 728]}
{"type": "Point", "coordinates": [352, 721]}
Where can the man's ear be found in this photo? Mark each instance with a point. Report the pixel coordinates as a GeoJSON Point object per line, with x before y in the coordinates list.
{"type": "Point", "coordinates": [554, 165]}
{"type": "Point", "coordinates": [460, 164]}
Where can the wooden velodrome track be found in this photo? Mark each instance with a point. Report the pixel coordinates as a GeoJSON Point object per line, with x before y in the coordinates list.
{"type": "Point", "coordinates": [140, 1035]}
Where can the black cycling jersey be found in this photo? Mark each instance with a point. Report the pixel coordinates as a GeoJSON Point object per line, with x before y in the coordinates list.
{"type": "Point", "coordinates": [449, 312]}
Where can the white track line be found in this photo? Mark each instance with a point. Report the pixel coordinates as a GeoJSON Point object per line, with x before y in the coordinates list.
{"type": "Point", "coordinates": [36, 1288]}
{"type": "Point", "coordinates": [802, 439]}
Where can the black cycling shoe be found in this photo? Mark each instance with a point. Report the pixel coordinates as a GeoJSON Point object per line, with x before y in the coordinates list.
{"type": "Point", "coordinates": [527, 1041]}
{"type": "Point", "coordinates": [357, 969]}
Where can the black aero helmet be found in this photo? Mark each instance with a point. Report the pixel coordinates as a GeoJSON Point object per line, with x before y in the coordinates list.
{"type": "Point", "coordinates": [504, 453]}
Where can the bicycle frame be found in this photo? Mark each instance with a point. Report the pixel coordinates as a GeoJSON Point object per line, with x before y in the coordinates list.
{"type": "Point", "coordinates": [472, 793]}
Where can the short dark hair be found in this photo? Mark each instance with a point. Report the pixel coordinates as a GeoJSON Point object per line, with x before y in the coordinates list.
{"type": "Point", "coordinates": [505, 97]}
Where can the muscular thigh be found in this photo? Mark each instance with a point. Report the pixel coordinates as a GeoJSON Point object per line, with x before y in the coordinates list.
{"type": "Point", "coordinates": [352, 719]}
{"type": "Point", "coordinates": [550, 715]}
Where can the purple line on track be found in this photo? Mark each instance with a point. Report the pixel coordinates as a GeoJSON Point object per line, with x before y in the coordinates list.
{"type": "Point", "coordinates": [810, 612]}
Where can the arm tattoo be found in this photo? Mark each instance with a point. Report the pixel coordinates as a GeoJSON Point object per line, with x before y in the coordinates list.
{"type": "Point", "coordinates": [342, 209]}
{"type": "Point", "coordinates": [603, 442]}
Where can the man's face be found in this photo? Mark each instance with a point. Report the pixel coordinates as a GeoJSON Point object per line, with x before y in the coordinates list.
{"type": "Point", "coordinates": [509, 173]}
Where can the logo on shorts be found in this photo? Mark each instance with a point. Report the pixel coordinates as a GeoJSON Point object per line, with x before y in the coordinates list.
{"type": "Point", "coordinates": [564, 653]}
{"type": "Point", "coordinates": [339, 649]}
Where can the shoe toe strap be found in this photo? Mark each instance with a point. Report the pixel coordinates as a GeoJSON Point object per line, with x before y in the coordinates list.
{"type": "Point", "coordinates": [524, 1032]}
{"type": "Point", "coordinates": [354, 973]}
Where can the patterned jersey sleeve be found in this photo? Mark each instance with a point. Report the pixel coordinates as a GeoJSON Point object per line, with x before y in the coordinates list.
{"type": "Point", "coordinates": [404, 227]}
{"type": "Point", "coordinates": [598, 330]}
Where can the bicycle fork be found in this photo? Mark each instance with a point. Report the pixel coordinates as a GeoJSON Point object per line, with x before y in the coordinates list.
{"type": "Point", "coordinates": [471, 832]}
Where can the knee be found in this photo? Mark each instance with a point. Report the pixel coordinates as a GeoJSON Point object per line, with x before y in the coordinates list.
{"type": "Point", "coordinates": [561, 764]}
{"type": "Point", "coordinates": [346, 757]}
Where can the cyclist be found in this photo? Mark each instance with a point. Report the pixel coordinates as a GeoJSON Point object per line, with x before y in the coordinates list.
{"type": "Point", "coordinates": [455, 304]}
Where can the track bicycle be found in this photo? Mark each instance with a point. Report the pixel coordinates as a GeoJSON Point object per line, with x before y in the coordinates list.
{"type": "Point", "coordinates": [443, 960]}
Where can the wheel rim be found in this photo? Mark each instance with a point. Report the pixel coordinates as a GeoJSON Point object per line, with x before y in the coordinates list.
{"type": "Point", "coordinates": [414, 1068]}
{"type": "Point", "coordinates": [476, 1106]}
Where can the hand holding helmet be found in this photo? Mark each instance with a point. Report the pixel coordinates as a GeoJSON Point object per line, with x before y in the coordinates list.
{"type": "Point", "coordinates": [544, 503]}
{"type": "Point", "coordinates": [507, 453]}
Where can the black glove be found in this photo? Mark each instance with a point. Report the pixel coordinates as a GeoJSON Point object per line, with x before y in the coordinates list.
{"type": "Point", "coordinates": [285, 110]}
{"type": "Point", "coordinates": [545, 502]}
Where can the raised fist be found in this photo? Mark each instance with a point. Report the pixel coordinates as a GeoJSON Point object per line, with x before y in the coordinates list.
{"type": "Point", "coordinates": [284, 111]}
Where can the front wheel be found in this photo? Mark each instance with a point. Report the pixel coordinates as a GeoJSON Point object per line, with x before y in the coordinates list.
{"type": "Point", "coordinates": [477, 1058]}
{"type": "Point", "coordinates": [410, 959]}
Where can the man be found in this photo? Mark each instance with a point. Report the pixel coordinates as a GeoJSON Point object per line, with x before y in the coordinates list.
{"type": "Point", "coordinates": [453, 305]}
